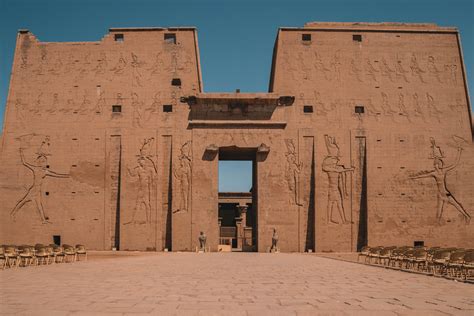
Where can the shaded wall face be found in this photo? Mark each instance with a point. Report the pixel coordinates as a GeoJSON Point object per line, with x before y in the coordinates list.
{"type": "Point", "coordinates": [380, 165]}
{"type": "Point", "coordinates": [60, 118]}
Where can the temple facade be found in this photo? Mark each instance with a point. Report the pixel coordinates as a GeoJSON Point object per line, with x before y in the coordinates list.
{"type": "Point", "coordinates": [363, 138]}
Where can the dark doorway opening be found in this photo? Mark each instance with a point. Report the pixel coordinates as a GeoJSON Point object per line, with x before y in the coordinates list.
{"type": "Point", "coordinates": [57, 240]}
{"type": "Point", "coordinates": [237, 216]}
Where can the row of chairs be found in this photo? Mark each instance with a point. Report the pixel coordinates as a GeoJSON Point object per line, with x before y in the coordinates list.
{"type": "Point", "coordinates": [25, 255]}
{"type": "Point", "coordinates": [452, 262]}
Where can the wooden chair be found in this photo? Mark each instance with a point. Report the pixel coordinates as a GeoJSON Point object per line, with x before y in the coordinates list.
{"type": "Point", "coordinates": [468, 265]}
{"type": "Point", "coordinates": [69, 253]}
{"type": "Point", "coordinates": [12, 257]}
{"type": "Point", "coordinates": [81, 250]}
{"type": "Point", "coordinates": [3, 259]}
{"type": "Point", "coordinates": [364, 252]}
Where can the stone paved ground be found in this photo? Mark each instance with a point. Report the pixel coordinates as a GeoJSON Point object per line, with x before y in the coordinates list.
{"type": "Point", "coordinates": [227, 284]}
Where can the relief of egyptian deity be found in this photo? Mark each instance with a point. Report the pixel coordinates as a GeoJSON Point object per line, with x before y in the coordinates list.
{"type": "Point", "coordinates": [101, 64]}
{"type": "Point", "coordinates": [439, 173]}
{"type": "Point", "coordinates": [145, 172]}
{"type": "Point", "coordinates": [401, 107]}
{"type": "Point", "coordinates": [355, 70]}
{"type": "Point", "coordinates": [433, 111]}
{"type": "Point", "coordinates": [433, 70]}
{"type": "Point", "coordinates": [20, 110]}
{"type": "Point", "coordinates": [416, 70]}
{"type": "Point", "coordinates": [372, 110]}
{"type": "Point", "coordinates": [154, 107]}
{"type": "Point", "coordinates": [85, 105]}
{"type": "Point", "coordinates": [385, 70]}
{"type": "Point", "coordinates": [459, 107]}
{"type": "Point", "coordinates": [173, 67]}
{"type": "Point", "coordinates": [320, 106]}
{"type": "Point", "coordinates": [320, 67]}
{"type": "Point", "coordinates": [54, 104]}
{"type": "Point", "coordinates": [182, 173]}
{"type": "Point", "coordinates": [37, 107]}
{"type": "Point", "coordinates": [293, 170]}
{"type": "Point", "coordinates": [336, 66]}
{"type": "Point", "coordinates": [417, 109]}
{"type": "Point", "coordinates": [100, 102]}
{"type": "Point", "coordinates": [400, 71]}
{"type": "Point", "coordinates": [370, 70]}
{"type": "Point", "coordinates": [337, 181]}
{"type": "Point", "coordinates": [136, 110]}
{"type": "Point", "coordinates": [303, 66]}
{"type": "Point", "coordinates": [136, 64]}
{"type": "Point", "coordinates": [452, 70]}
{"type": "Point", "coordinates": [119, 67]}
{"type": "Point", "coordinates": [185, 62]}
{"type": "Point", "coordinates": [40, 170]}
{"type": "Point", "coordinates": [158, 65]}
{"type": "Point", "coordinates": [386, 108]}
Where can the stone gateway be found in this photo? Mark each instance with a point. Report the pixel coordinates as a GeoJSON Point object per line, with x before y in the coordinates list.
{"type": "Point", "coordinates": [363, 138]}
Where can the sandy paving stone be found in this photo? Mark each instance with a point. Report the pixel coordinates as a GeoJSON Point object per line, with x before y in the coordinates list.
{"type": "Point", "coordinates": [227, 284]}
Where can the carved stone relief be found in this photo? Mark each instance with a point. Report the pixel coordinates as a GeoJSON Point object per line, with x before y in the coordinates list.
{"type": "Point", "coordinates": [136, 110]}
{"type": "Point", "coordinates": [336, 66]}
{"type": "Point", "coordinates": [100, 103]}
{"type": "Point", "coordinates": [400, 71]}
{"type": "Point", "coordinates": [385, 70]}
{"type": "Point", "coordinates": [182, 173]}
{"type": "Point", "coordinates": [320, 67]}
{"type": "Point", "coordinates": [401, 107]}
{"type": "Point", "coordinates": [293, 170]}
{"type": "Point", "coordinates": [20, 110]}
{"type": "Point", "coordinates": [119, 67]}
{"type": "Point", "coordinates": [433, 70]}
{"type": "Point", "coordinates": [418, 111]}
{"type": "Point", "coordinates": [101, 64]}
{"type": "Point", "coordinates": [355, 70]}
{"type": "Point", "coordinates": [386, 108]}
{"type": "Point", "coordinates": [416, 70]}
{"type": "Point", "coordinates": [145, 174]}
{"type": "Point", "coordinates": [40, 170]}
{"type": "Point", "coordinates": [136, 71]}
{"type": "Point", "coordinates": [337, 181]}
{"type": "Point", "coordinates": [370, 70]}
{"type": "Point", "coordinates": [439, 174]}
{"type": "Point", "coordinates": [154, 107]}
{"type": "Point", "coordinates": [85, 104]}
{"type": "Point", "coordinates": [433, 111]}
{"type": "Point", "coordinates": [158, 65]}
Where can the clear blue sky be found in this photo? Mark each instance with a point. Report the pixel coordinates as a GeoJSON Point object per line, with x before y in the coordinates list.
{"type": "Point", "coordinates": [235, 37]}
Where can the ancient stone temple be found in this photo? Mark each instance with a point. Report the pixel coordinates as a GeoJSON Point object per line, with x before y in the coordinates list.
{"type": "Point", "coordinates": [364, 138]}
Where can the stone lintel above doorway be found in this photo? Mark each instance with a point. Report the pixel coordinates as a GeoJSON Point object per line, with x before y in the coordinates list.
{"type": "Point", "coordinates": [236, 124]}
{"type": "Point", "coordinates": [246, 99]}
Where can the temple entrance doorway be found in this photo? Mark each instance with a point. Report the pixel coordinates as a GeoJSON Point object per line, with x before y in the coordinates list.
{"type": "Point", "coordinates": [237, 215]}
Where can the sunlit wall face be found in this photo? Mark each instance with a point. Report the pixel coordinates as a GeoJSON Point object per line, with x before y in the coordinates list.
{"type": "Point", "coordinates": [235, 176]}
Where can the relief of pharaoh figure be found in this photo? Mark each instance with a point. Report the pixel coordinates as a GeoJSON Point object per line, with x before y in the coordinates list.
{"type": "Point", "coordinates": [145, 172]}
{"type": "Point", "coordinates": [439, 173]}
{"type": "Point", "coordinates": [337, 181]}
{"type": "Point", "coordinates": [40, 170]}
{"type": "Point", "coordinates": [183, 174]}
